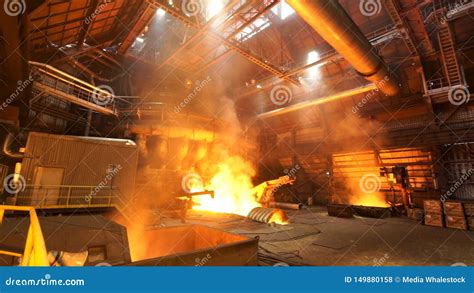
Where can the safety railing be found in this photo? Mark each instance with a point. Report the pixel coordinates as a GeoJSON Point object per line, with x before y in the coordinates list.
{"type": "Point", "coordinates": [61, 84]}
{"type": "Point", "coordinates": [35, 253]}
{"type": "Point", "coordinates": [67, 196]}
{"type": "Point", "coordinates": [437, 84]}
{"type": "Point", "coordinates": [447, 8]}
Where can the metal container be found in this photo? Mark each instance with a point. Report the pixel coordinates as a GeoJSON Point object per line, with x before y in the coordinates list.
{"type": "Point", "coordinates": [192, 245]}
{"type": "Point", "coordinates": [372, 212]}
{"type": "Point", "coordinates": [340, 210]}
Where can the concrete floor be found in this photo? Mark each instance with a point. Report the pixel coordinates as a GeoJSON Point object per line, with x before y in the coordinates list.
{"type": "Point", "coordinates": [314, 238]}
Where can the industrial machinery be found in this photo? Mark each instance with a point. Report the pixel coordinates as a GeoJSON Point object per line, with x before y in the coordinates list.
{"type": "Point", "coordinates": [398, 176]}
{"type": "Point", "coordinates": [264, 191]}
{"type": "Point", "coordinates": [188, 203]}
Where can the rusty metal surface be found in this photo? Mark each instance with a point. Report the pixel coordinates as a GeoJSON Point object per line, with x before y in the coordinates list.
{"type": "Point", "coordinates": [339, 210]}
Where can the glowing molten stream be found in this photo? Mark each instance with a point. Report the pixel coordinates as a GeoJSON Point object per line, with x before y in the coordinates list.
{"type": "Point", "coordinates": [233, 190]}
{"type": "Point", "coordinates": [370, 200]}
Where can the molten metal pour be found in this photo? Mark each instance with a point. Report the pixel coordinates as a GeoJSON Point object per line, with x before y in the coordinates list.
{"type": "Point", "coordinates": [263, 209]}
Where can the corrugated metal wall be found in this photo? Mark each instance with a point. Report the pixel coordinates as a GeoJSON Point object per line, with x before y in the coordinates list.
{"type": "Point", "coordinates": [457, 161]}
{"type": "Point", "coordinates": [85, 160]}
{"type": "Point", "coordinates": [350, 168]}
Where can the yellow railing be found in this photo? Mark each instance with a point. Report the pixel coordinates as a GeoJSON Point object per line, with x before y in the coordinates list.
{"type": "Point", "coordinates": [35, 253]}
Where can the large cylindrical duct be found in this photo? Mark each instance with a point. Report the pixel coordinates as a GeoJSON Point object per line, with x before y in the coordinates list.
{"type": "Point", "coordinates": [331, 21]}
{"type": "Point", "coordinates": [268, 215]}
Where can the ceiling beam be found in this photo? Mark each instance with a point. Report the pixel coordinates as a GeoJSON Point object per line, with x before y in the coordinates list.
{"type": "Point", "coordinates": [87, 22]}
{"type": "Point", "coordinates": [229, 43]}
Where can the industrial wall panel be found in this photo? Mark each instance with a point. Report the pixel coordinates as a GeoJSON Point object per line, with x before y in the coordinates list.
{"type": "Point", "coordinates": [86, 161]}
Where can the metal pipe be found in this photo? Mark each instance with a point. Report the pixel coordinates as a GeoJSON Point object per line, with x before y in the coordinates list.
{"type": "Point", "coordinates": [6, 148]}
{"type": "Point", "coordinates": [268, 215]}
{"type": "Point", "coordinates": [330, 98]}
{"type": "Point", "coordinates": [333, 24]}
{"type": "Point", "coordinates": [286, 205]}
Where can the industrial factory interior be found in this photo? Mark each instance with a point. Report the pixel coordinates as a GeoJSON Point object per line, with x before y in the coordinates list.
{"type": "Point", "coordinates": [237, 133]}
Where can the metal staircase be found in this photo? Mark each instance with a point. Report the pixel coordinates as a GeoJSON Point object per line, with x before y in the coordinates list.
{"type": "Point", "coordinates": [393, 10]}
{"type": "Point", "coordinates": [437, 16]}
{"type": "Point", "coordinates": [410, 22]}
{"type": "Point", "coordinates": [448, 53]}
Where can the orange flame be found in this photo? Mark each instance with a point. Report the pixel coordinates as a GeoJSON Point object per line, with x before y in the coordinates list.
{"type": "Point", "coordinates": [232, 186]}
{"type": "Point", "coordinates": [279, 217]}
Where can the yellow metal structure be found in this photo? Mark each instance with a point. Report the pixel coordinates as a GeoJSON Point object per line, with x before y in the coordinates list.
{"type": "Point", "coordinates": [35, 253]}
{"type": "Point", "coordinates": [264, 191]}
